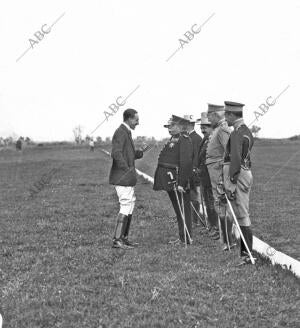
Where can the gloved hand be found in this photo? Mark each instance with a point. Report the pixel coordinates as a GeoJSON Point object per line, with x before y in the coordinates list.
{"type": "Point", "coordinates": [230, 189]}
{"type": "Point", "coordinates": [180, 189]}
{"type": "Point", "coordinates": [230, 195]}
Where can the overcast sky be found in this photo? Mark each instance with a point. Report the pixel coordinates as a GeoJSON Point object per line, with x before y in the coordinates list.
{"type": "Point", "coordinates": [97, 51]}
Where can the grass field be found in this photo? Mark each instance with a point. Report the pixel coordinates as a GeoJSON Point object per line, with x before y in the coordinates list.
{"type": "Point", "coordinates": [57, 267]}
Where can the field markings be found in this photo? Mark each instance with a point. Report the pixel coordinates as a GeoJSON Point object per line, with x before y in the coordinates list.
{"type": "Point", "coordinates": [264, 249]}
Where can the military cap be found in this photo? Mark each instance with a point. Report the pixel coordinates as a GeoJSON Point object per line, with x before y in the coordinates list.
{"type": "Point", "coordinates": [190, 118]}
{"type": "Point", "coordinates": [215, 108]}
{"type": "Point", "coordinates": [204, 120]}
{"type": "Point", "coordinates": [179, 120]}
{"type": "Point", "coordinates": [231, 106]}
{"type": "Point", "coordinates": [168, 123]}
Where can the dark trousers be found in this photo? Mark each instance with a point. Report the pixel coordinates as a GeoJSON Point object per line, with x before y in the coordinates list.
{"type": "Point", "coordinates": [187, 212]}
{"type": "Point", "coordinates": [208, 198]}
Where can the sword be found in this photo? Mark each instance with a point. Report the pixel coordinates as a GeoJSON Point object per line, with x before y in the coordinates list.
{"type": "Point", "coordinates": [200, 219]}
{"type": "Point", "coordinates": [173, 181]}
{"type": "Point", "coordinates": [204, 209]}
{"type": "Point", "coordinates": [239, 229]}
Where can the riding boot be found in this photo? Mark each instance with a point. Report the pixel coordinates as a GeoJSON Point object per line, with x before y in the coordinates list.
{"type": "Point", "coordinates": [118, 234]}
{"type": "Point", "coordinates": [247, 233]}
{"type": "Point", "coordinates": [127, 226]}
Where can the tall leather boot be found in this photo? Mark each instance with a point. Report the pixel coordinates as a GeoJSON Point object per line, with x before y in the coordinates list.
{"type": "Point", "coordinates": [126, 232]}
{"type": "Point", "coordinates": [247, 232]}
{"type": "Point", "coordinates": [119, 230]}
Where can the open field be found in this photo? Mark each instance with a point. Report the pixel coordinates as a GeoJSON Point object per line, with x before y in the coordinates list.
{"type": "Point", "coordinates": [57, 267]}
{"type": "Point", "coordinates": [275, 197]}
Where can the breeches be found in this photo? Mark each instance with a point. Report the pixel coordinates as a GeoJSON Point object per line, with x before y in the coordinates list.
{"type": "Point", "coordinates": [241, 203]}
{"type": "Point", "coordinates": [126, 199]}
{"type": "Point", "coordinates": [215, 174]}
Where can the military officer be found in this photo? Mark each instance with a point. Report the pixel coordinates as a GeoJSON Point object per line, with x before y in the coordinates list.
{"type": "Point", "coordinates": [173, 173]}
{"type": "Point", "coordinates": [214, 160]}
{"type": "Point", "coordinates": [237, 171]}
{"type": "Point", "coordinates": [195, 183]}
{"type": "Point", "coordinates": [205, 183]}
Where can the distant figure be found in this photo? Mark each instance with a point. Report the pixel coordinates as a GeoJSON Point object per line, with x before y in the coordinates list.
{"type": "Point", "coordinates": [19, 144]}
{"type": "Point", "coordinates": [92, 145]}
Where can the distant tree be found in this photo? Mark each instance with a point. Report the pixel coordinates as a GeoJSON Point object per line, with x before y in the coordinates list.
{"type": "Point", "coordinates": [255, 129]}
{"type": "Point", "coordinates": [77, 131]}
{"type": "Point", "coordinates": [28, 141]}
{"type": "Point", "coordinates": [296, 137]}
{"type": "Point", "coordinates": [99, 140]}
{"type": "Point", "coordinates": [87, 138]}
{"type": "Point", "coordinates": [9, 141]}
{"type": "Point", "coordinates": [107, 140]}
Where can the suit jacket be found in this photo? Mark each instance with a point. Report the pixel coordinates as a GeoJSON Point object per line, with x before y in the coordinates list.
{"type": "Point", "coordinates": [203, 171]}
{"type": "Point", "coordinates": [123, 153]}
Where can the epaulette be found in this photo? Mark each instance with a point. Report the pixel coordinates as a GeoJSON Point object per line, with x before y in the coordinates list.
{"type": "Point", "coordinates": [242, 125]}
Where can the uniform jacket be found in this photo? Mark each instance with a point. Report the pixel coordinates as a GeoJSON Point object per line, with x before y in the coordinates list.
{"type": "Point", "coordinates": [238, 150]}
{"type": "Point", "coordinates": [217, 143]}
{"type": "Point", "coordinates": [176, 157]}
{"type": "Point", "coordinates": [123, 153]}
{"type": "Point", "coordinates": [196, 141]}
{"type": "Point", "coordinates": [202, 168]}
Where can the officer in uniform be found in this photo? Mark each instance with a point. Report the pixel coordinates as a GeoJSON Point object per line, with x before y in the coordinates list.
{"type": "Point", "coordinates": [173, 173]}
{"type": "Point", "coordinates": [214, 162]}
{"type": "Point", "coordinates": [195, 182]}
{"type": "Point", "coordinates": [237, 171]}
{"type": "Point", "coordinates": [202, 172]}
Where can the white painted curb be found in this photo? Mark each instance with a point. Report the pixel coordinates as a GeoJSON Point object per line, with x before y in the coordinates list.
{"type": "Point", "coordinates": [259, 246]}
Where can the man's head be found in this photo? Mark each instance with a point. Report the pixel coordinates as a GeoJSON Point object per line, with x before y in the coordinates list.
{"type": "Point", "coordinates": [233, 112]}
{"type": "Point", "coordinates": [205, 124]}
{"type": "Point", "coordinates": [131, 117]}
{"type": "Point", "coordinates": [177, 125]}
{"type": "Point", "coordinates": [206, 129]}
{"type": "Point", "coordinates": [174, 128]}
{"type": "Point", "coordinates": [215, 114]}
{"type": "Point", "coordinates": [190, 124]}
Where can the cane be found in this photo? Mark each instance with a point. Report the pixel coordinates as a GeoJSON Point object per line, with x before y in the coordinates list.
{"type": "Point", "coordinates": [178, 204]}
{"type": "Point", "coordinates": [204, 209]}
{"type": "Point", "coordinates": [219, 223]}
{"type": "Point", "coordinates": [183, 216]}
{"type": "Point", "coordinates": [239, 229]}
{"type": "Point", "coordinates": [198, 215]}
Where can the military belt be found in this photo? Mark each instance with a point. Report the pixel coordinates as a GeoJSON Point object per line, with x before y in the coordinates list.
{"type": "Point", "coordinates": [245, 167]}
{"type": "Point", "coordinates": [168, 165]}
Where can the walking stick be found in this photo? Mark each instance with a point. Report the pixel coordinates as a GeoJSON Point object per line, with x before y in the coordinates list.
{"type": "Point", "coordinates": [204, 209]}
{"type": "Point", "coordinates": [181, 212]}
{"type": "Point", "coordinates": [219, 224]}
{"type": "Point", "coordinates": [183, 216]}
{"type": "Point", "coordinates": [239, 229]}
{"type": "Point", "coordinates": [198, 215]}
